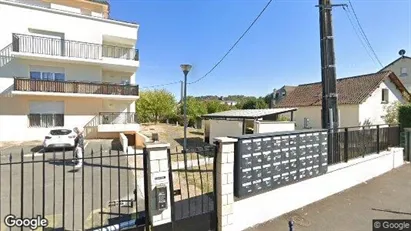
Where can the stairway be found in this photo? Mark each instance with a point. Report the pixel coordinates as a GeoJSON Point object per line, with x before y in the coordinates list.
{"type": "Point", "coordinates": [5, 55]}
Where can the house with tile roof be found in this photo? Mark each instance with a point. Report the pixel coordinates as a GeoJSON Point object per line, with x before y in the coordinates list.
{"type": "Point", "coordinates": [402, 68]}
{"type": "Point", "coordinates": [361, 99]}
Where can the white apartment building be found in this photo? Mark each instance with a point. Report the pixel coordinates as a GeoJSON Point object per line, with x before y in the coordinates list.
{"type": "Point", "coordinates": [65, 63]}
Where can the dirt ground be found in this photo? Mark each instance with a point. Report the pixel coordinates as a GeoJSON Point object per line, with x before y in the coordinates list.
{"type": "Point", "coordinates": [175, 135]}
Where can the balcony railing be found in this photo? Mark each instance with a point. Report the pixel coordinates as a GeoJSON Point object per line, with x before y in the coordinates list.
{"type": "Point", "coordinates": [118, 118]}
{"type": "Point", "coordinates": [68, 48]}
{"type": "Point", "coordinates": [23, 84]}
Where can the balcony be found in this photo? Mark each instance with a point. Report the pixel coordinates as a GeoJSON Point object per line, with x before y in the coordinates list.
{"type": "Point", "coordinates": [56, 49]}
{"type": "Point", "coordinates": [118, 122]}
{"type": "Point", "coordinates": [24, 86]}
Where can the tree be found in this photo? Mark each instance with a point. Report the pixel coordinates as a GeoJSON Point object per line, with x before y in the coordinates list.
{"type": "Point", "coordinates": [391, 116]}
{"type": "Point", "coordinates": [268, 98]}
{"type": "Point", "coordinates": [155, 105]}
{"type": "Point", "coordinates": [214, 106]}
{"type": "Point", "coordinates": [195, 109]}
{"type": "Point", "coordinates": [255, 104]}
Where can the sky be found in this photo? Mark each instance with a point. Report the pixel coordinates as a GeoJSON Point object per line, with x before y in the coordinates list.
{"type": "Point", "coordinates": [283, 47]}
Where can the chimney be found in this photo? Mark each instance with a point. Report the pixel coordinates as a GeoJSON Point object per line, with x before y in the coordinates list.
{"type": "Point", "coordinates": [273, 99]}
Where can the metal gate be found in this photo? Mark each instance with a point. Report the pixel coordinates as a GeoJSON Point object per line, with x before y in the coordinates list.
{"type": "Point", "coordinates": [405, 141]}
{"type": "Point", "coordinates": [193, 181]}
{"type": "Point", "coordinates": [105, 193]}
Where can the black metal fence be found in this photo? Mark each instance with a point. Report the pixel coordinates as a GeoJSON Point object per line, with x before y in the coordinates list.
{"type": "Point", "coordinates": [106, 190]}
{"type": "Point", "coordinates": [354, 142]}
{"type": "Point", "coordinates": [263, 162]}
{"type": "Point", "coordinates": [69, 48]}
{"type": "Point", "coordinates": [192, 181]}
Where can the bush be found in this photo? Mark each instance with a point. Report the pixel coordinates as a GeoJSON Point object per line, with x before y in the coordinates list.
{"type": "Point", "coordinates": [173, 119]}
{"type": "Point", "coordinates": [404, 115]}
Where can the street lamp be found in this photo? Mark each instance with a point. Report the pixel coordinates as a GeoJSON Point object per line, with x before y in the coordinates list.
{"type": "Point", "coordinates": [185, 68]}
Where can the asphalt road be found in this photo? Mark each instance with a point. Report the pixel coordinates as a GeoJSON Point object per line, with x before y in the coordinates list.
{"type": "Point", "coordinates": [81, 197]}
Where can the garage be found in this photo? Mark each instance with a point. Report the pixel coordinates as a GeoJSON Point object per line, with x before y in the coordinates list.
{"type": "Point", "coordinates": [247, 121]}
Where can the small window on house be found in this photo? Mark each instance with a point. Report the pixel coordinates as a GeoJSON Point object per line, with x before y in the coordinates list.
{"type": "Point", "coordinates": [384, 96]}
{"type": "Point", "coordinates": [283, 93]}
{"type": "Point", "coordinates": [404, 72]}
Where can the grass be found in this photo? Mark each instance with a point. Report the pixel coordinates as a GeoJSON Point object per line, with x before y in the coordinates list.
{"type": "Point", "coordinates": [201, 177]}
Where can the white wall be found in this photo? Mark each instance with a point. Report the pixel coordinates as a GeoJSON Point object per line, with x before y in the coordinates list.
{"type": "Point", "coordinates": [73, 72]}
{"type": "Point", "coordinates": [261, 208]}
{"type": "Point", "coordinates": [349, 116]}
{"type": "Point", "coordinates": [221, 128]}
{"type": "Point", "coordinates": [373, 109]}
{"type": "Point", "coordinates": [396, 68]}
{"type": "Point", "coordinates": [74, 26]}
{"type": "Point", "coordinates": [14, 124]}
{"type": "Point", "coordinates": [273, 126]}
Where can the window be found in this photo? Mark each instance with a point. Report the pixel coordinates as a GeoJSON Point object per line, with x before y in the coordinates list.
{"type": "Point", "coordinates": [404, 70]}
{"type": "Point", "coordinates": [51, 76]}
{"type": "Point", "coordinates": [384, 96]}
{"type": "Point", "coordinates": [46, 120]}
{"type": "Point", "coordinates": [47, 76]}
{"type": "Point", "coordinates": [46, 114]}
{"type": "Point", "coordinates": [47, 73]}
{"type": "Point", "coordinates": [35, 75]}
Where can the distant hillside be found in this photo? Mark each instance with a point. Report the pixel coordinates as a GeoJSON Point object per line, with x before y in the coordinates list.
{"type": "Point", "coordinates": [237, 98]}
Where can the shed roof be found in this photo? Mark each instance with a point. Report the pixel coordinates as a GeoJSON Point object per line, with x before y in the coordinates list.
{"type": "Point", "coordinates": [248, 113]}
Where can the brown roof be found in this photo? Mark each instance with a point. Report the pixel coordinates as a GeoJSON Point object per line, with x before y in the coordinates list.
{"type": "Point", "coordinates": [352, 90]}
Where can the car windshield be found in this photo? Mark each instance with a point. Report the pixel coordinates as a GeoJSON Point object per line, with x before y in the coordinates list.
{"type": "Point", "coordinates": [59, 132]}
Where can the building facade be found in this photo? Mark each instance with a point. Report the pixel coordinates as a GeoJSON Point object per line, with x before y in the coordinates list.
{"type": "Point", "coordinates": [402, 68]}
{"type": "Point", "coordinates": [65, 64]}
{"type": "Point", "coordinates": [362, 100]}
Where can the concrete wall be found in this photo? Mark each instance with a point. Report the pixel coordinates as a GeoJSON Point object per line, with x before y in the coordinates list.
{"type": "Point", "coordinates": [349, 116]}
{"type": "Point", "coordinates": [76, 26]}
{"type": "Point", "coordinates": [373, 109]}
{"type": "Point", "coordinates": [273, 126]}
{"type": "Point", "coordinates": [221, 128]}
{"type": "Point", "coordinates": [258, 209]}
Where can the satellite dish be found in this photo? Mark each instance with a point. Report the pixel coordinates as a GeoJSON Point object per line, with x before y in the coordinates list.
{"type": "Point", "coordinates": [401, 52]}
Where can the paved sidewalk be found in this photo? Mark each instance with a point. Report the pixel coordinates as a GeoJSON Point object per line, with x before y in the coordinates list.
{"type": "Point", "coordinates": [384, 197]}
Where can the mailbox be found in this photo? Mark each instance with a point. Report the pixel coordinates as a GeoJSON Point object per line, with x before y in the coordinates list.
{"type": "Point", "coordinates": [161, 196]}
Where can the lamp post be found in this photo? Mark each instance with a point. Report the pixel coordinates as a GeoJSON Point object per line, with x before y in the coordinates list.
{"type": "Point", "coordinates": [185, 68]}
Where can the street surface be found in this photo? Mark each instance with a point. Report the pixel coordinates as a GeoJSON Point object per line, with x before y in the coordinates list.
{"type": "Point", "coordinates": [101, 176]}
{"type": "Point", "coordinates": [384, 197]}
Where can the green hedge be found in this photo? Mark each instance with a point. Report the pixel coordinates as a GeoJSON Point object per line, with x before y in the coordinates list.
{"type": "Point", "coordinates": [404, 116]}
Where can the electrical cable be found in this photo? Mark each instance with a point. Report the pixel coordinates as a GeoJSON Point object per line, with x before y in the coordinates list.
{"type": "Point", "coordinates": [347, 12]}
{"type": "Point", "coordinates": [235, 44]}
{"type": "Point", "coordinates": [363, 33]}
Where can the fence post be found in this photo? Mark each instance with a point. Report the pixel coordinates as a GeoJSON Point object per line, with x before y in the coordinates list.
{"type": "Point", "coordinates": [225, 183]}
{"type": "Point", "coordinates": [378, 138]}
{"type": "Point", "coordinates": [346, 144]}
{"type": "Point", "coordinates": [158, 183]}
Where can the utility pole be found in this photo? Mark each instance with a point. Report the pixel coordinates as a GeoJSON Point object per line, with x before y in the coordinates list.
{"type": "Point", "coordinates": [329, 112]}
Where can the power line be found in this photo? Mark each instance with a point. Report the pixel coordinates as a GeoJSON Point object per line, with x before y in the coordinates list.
{"type": "Point", "coordinates": [365, 36]}
{"type": "Point", "coordinates": [161, 85]}
{"type": "Point", "coordinates": [235, 44]}
{"type": "Point", "coordinates": [347, 12]}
